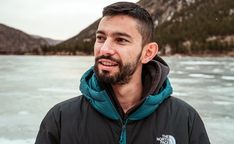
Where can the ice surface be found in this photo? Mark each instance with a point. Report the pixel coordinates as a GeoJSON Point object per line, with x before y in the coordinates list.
{"type": "Point", "coordinates": [31, 85]}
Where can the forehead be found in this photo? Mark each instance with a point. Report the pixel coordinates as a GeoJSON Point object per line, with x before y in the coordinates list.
{"type": "Point", "coordinates": [119, 23]}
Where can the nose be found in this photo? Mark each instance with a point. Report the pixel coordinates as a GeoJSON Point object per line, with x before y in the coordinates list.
{"type": "Point", "coordinates": [107, 48]}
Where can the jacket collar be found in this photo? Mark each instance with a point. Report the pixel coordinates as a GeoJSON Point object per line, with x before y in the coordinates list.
{"type": "Point", "coordinates": [99, 99]}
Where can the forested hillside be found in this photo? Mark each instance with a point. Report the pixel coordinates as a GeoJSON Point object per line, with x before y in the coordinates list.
{"type": "Point", "coordinates": [204, 27]}
{"type": "Point", "coordinates": [181, 26]}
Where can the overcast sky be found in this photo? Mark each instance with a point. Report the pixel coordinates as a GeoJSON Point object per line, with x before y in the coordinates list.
{"type": "Point", "coordinates": [57, 19]}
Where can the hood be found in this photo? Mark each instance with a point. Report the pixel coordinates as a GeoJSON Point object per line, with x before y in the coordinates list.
{"type": "Point", "coordinates": [154, 74]}
{"type": "Point", "coordinates": [156, 89]}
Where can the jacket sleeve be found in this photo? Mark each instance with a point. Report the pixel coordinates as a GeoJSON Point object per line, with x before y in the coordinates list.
{"type": "Point", "coordinates": [49, 132]}
{"type": "Point", "coordinates": [197, 132]}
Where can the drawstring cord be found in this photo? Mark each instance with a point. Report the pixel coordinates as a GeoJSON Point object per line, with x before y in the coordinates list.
{"type": "Point", "coordinates": [123, 135]}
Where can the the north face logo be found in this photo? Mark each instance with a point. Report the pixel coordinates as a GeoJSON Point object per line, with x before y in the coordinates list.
{"type": "Point", "coordinates": [166, 139]}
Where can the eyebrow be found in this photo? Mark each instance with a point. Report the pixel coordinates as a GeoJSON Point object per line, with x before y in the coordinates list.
{"type": "Point", "coordinates": [115, 33]}
{"type": "Point", "coordinates": [100, 32]}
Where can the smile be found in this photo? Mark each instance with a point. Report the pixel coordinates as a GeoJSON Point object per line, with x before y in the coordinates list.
{"type": "Point", "coordinates": [107, 63]}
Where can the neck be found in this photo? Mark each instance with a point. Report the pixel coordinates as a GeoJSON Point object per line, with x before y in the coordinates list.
{"type": "Point", "coordinates": [130, 93]}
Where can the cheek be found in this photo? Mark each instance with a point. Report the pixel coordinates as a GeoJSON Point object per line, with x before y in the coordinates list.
{"type": "Point", "coordinates": [96, 49]}
{"type": "Point", "coordinates": [132, 55]}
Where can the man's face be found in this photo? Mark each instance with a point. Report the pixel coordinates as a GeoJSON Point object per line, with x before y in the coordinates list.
{"type": "Point", "coordinates": [117, 49]}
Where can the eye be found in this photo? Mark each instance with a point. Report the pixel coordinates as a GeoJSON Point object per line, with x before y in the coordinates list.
{"type": "Point", "coordinates": [100, 38]}
{"type": "Point", "coordinates": [122, 40]}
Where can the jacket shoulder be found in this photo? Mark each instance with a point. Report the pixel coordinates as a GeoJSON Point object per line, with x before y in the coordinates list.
{"type": "Point", "coordinates": [187, 118]}
{"type": "Point", "coordinates": [58, 118]}
{"type": "Point", "coordinates": [69, 102]}
{"type": "Point", "coordinates": [63, 111]}
{"type": "Point", "coordinates": [178, 110]}
{"type": "Point", "coordinates": [179, 104]}
{"type": "Point", "coordinates": [69, 106]}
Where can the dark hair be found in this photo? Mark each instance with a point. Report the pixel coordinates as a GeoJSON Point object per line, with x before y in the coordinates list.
{"type": "Point", "coordinates": [145, 26]}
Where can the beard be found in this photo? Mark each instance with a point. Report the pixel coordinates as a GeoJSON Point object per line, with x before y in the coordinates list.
{"type": "Point", "coordinates": [121, 77]}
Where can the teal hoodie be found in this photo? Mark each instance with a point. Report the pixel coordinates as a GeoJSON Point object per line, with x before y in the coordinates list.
{"type": "Point", "coordinates": [158, 89]}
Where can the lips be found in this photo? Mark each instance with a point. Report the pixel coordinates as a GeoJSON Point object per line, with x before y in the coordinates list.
{"type": "Point", "coordinates": [108, 63]}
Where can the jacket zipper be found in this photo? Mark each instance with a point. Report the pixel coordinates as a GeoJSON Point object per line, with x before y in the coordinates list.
{"type": "Point", "coordinates": [123, 135]}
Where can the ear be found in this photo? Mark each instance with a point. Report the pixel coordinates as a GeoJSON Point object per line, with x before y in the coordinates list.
{"type": "Point", "coordinates": [149, 52]}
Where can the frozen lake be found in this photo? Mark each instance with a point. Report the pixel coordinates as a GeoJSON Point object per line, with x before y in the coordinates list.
{"type": "Point", "coordinates": [31, 85]}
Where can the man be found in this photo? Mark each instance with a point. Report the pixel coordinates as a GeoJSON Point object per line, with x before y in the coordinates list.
{"type": "Point", "coordinates": [126, 95]}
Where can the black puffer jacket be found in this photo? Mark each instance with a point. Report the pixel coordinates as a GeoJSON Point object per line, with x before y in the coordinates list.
{"type": "Point", "coordinates": [96, 117]}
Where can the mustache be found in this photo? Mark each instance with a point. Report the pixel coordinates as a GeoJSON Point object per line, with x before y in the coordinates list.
{"type": "Point", "coordinates": [107, 57]}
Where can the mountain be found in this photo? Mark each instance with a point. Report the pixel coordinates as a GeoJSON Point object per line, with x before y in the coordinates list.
{"type": "Point", "coordinates": [14, 41]}
{"type": "Point", "coordinates": [203, 27]}
{"type": "Point", "coordinates": [50, 41]}
{"type": "Point", "coordinates": [79, 44]}
{"type": "Point", "coordinates": [181, 26]}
